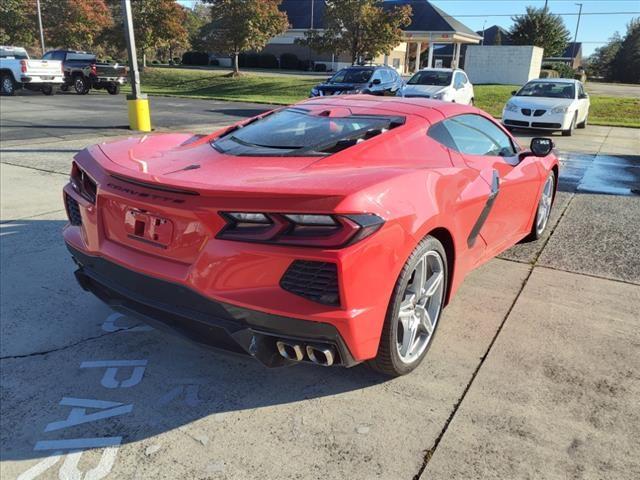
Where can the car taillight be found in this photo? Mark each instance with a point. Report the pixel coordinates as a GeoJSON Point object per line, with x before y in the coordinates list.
{"type": "Point", "coordinates": [306, 230]}
{"type": "Point", "coordinates": [23, 66]}
{"type": "Point", "coordinates": [82, 183]}
{"type": "Point", "coordinates": [93, 69]}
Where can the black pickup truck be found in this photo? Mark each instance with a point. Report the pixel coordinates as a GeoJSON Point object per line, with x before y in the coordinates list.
{"type": "Point", "coordinates": [84, 72]}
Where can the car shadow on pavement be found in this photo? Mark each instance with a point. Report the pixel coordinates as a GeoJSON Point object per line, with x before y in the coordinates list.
{"type": "Point", "coordinates": [59, 344]}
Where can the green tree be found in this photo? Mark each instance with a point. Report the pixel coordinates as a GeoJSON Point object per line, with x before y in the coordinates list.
{"type": "Point", "coordinates": [541, 28]}
{"type": "Point", "coordinates": [74, 24]}
{"type": "Point", "coordinates": [361, 28]}
{"type": "Point", "coordinates": [600, 63]}
{"type": "Point", "coordinates": [18, 23]}
{"type": "Point", "coordinates": [157, 24]}
{"type": "Point", "coordinates": [197, 17]}
{"type": "Point", "coordinates": [626, 64]}
{"type": "Point", "coordinates": [241, 25]}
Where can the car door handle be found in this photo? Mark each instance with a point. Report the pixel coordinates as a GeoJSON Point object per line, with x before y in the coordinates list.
{"type": "Point", "coordinates": [484, 214]}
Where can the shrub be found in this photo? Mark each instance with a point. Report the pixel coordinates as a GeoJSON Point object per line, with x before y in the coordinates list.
{"type": "Point", "coordinates": [155, 62]}
{"type": "Point", "coordinates": [267, 60]}
{"type": "Point", "coordinates": [549, 73]}
{"type": "Point", "coordinates": [195, 58]}
{"type": "Point", "coordinates": [304, 65]}
{"type": "Point", "coordinates": [320, 67]}
{"type": "Point", "coordinates": [252, 60]}
{"type": "Point", "coordinates": [289, 61]}
{"type": "Point", "coordinates": [176, 60]}
{"type": "Point", "coordinates": [564, 70]}
{"type": "Point", "coordinates": [214, 61]}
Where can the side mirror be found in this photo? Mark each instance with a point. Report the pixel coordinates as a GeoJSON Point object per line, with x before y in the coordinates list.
{"type": "Point", "coordinates": [513, 93]}
{"type": "Point", "coordinates": [377, 81]}
{"type": "Point", "coordinates": [583, 96]}
{"type": "Point", "coordinates": [541, 147]}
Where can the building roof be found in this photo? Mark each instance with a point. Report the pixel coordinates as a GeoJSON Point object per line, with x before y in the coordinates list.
{"type": "Point", "coordinates": [569, 51]}
{"type": "Point", "coordinates": [491, 33]}
{"type": "Point", "coordinates": [425, 17]}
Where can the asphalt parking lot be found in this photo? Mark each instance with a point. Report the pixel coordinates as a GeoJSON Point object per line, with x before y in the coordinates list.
{"type": "Point", "coordinates": [535, 371]}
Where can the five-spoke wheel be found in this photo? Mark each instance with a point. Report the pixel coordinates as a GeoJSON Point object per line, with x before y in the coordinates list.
{"type": "Point", "coordinates": [414, 310]}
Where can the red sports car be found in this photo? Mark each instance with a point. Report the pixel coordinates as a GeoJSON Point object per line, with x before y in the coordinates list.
{"type": "Point", "coordinates": [333, 231]}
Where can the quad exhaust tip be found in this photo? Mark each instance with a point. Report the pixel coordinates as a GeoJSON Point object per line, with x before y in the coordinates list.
{"type": "Point", "coordinates": [324, 355]}
{"type": "Point", "coordinates": [321, 355]}
{"type": "Point", "coordinates": [291, 351]}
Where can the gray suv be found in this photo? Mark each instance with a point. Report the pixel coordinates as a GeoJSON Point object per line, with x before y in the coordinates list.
{"type": "Point", "coordinates": [370, 80]}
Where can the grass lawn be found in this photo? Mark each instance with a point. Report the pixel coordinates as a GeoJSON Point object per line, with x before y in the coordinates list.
{"type": "Point", "coordinates": [284, 90]}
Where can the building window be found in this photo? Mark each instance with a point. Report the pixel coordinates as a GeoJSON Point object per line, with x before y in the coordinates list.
{"type": "Point", "coordinates": [396, 63]}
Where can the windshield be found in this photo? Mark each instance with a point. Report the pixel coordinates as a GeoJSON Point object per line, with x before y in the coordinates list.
{"type": "Point", "coordinates": [17, 53]}
{"type": "Point", "coordinates": [547, 89]}
{"type": "Point", "coordinates": [296, 131]}
{"type": "Point", "coordinates": [441, 79]}
{"type": "Point", "coordinates": [352, 75]}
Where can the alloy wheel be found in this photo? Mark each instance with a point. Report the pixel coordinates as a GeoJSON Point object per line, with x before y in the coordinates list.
{"type": "Point", "coordinates": [544, 207]}
{"type": "Point", "coordinates": [7, 85]}
{"type": "Point", "coordinates": [420, 308]}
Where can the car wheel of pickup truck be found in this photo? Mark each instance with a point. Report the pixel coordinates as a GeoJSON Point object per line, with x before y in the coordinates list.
{"type": "Point", "coordinates": [113, 89]}
{"type": "Point", "coordinates": [6, 85]}
{"type": "Point", "coordinates": [81, 85]}
{"type": "Point", "coordinates": [47, 89]}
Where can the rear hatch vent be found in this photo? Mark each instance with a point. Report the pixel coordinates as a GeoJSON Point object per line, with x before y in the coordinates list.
{"type": "Point", "coordinates": [315, 281]}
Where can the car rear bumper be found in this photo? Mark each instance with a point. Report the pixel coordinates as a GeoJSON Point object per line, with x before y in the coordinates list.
{"type": "Point", "coordinates": [33, 79]}
{"type": "Point", "coordinates": [171, 306]}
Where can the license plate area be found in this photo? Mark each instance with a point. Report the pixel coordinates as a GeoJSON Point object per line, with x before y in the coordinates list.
{"type": "Point", "coordinates": [148, 228]}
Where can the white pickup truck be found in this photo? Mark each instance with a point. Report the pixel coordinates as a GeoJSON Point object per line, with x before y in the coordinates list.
{"type": "Point", "coordinates": [17, 70]}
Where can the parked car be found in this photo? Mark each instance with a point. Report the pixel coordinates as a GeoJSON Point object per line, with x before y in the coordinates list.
{"type": "Point", "coordinates": [373, 80]}
{"type": "Point", "coordinates": [17, 71]}
{"type": "Point", "coordinates": [84, 72]}
{"type": "Point", "coordinates": [548, 104]}
{"type": "Point", "coordinates": [331, 232]}
{"type": "Point", "coordinates": [449, 85]}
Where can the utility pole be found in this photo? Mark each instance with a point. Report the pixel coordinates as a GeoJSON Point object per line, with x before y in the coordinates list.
{"type": "Point", "coordinates": [40, 24]}
{"type": "Point", "coordinates": [483, 25]}
{"type": "Point", "coordinates": [546, 4]}
{"type": "Point", "coordinates": [138, 103]}
{"type": "Point", "coordinates": [575, 39]}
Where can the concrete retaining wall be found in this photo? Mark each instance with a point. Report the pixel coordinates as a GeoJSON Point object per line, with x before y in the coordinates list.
{"type": "Point", "coordinates": [503, 64]}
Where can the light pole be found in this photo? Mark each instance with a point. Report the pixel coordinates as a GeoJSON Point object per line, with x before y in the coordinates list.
{"type": "Point", "coordinates": [575, 39]}
{"type": "Point", "coordinates": [40, 24]}
{"type": "Point", "coordinates": [138, 103]}
{"type": "Point", "coordinates": [483, 25]}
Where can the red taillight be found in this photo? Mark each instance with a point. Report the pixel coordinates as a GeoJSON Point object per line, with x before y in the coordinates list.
{"type": "Point", "coordinates": [83, 183]}
{"type": "Point", "coordinates": [93, 69]}
{"type": "Point", "coordinates": [305, 230]}
{"type": "Point", "coordinates": [23, 66]}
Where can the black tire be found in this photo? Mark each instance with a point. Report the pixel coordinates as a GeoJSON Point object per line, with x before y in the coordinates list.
{"type": "Point", "coordinates": [7, 85]}
{"type": "Point", "coordinates": [388, 361]}
{"type": "Point", "coordinates": [47, 89]}
{"type": "Point", "coordinates": [81, 85]}
{"type": "Point", "coordinates": [113, 89]}
{"type": "Point", "coordinates": [572, 127]}
{"type": "Point", "coordinates": [64, 87]}
{"type": "Point", "coordinates": [583, 124]}
{"type": "Point", "coordinates": [535, 233]}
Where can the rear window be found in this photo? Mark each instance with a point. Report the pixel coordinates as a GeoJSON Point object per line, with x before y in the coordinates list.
{"type": "Point", "coordinates": [297, 132]}
{"type": "Point", "coordinates": [81, 57]}
{"type": "Point", "coordinates": [17, 53]}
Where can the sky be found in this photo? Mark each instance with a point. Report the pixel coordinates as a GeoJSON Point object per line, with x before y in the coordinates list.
{"type": "Point", "coordinates": [593, 32]}
{"type": "Point", "coordinates": [597, 23]}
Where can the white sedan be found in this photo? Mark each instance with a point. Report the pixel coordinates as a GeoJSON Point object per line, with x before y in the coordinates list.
{"type": "Point", "coordinates": [449, 85]}
{"type": "Point", "coordinates": [548, 104]}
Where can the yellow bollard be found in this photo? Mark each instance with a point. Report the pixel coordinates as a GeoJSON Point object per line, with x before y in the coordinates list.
{"type": "Point", "coordinates": [139, 116]}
